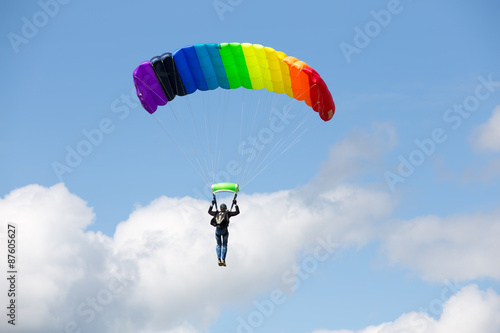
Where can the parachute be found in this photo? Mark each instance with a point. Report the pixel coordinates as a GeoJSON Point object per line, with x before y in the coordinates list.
{"type": "Point", "coordinates": [230, 66]}
{"type": "Point", "coordinates": [218, 146]}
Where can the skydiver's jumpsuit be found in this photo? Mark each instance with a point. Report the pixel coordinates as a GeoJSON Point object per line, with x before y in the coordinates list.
{"type": "Point", "coordinates": [220, 221]}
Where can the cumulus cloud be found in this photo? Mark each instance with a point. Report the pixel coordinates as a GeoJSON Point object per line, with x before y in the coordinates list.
{"type": "Point", "coordinates": [358, 154]}
{"type": "Point", "coordinates": [45, 258]}
{"type": "Point", "coordinates": [462, 247]}
{"type": "Point", "coordinates": [486, 137]}
{"type": "Point", "coordinates": [158, 272]}
{"type": "Point", "coordinates": [470, 310]}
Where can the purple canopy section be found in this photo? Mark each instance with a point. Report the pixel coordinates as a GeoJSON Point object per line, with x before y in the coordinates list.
{"type": "Point", "coordinates": [148, 89]}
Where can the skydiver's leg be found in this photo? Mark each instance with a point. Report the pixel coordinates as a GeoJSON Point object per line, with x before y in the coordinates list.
{"type": "Point", "coordinates": [224, 245]}
{"type": "Point", "coordinates": [219, 244]}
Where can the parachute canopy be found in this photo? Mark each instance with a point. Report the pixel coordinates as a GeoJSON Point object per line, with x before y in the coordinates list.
{"type": "Point", "coordinates": [225, 187]}
{"type": "Point", "coordinates": [230, 66]}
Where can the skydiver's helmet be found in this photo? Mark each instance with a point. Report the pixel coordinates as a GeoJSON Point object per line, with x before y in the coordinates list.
{"type": "Point", "coordinates": [223, 207]}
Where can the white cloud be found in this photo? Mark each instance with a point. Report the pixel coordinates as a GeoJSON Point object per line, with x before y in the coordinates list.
{"type": "Point", "coordinates": [158, 272]}
{"type": "Point", "coordinates": [469, 311]}
{"type": "Point", "coordinates": [458, 247]}
{"type": "Point", "coordinates": [487, 136]}
{"type": "Point", "coordinates": [50, 247]}
{"type": "Point", "coordinates": [358, 154]}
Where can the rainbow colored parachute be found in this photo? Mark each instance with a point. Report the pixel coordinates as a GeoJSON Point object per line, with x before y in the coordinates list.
{"type": "Point", "coordinates": [230, 66]}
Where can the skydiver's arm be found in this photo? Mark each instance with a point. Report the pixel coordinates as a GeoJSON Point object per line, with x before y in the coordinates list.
{"type": "Point", "coordinates": [210, 211]}
{"type": "Point", "coordinates": [236, 212]}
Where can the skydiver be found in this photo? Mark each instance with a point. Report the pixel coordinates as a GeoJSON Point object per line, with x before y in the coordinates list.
{"type": "Point", "coordinates": [220, 221]}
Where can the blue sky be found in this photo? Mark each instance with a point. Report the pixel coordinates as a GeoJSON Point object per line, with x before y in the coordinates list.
{"type": "Point", "coordinates": [403, 180]}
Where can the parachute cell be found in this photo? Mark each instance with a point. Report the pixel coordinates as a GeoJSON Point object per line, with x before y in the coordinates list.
{"type": "Point", "coordinates": [230, 66]}
{"type": "Point", "coordinates": [148, 89]}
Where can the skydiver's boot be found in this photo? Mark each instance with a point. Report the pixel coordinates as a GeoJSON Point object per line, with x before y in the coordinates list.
{"type": "Point", "coordinates": [223, 262]}
{"type": "Point", "coordinates": [220, 262]}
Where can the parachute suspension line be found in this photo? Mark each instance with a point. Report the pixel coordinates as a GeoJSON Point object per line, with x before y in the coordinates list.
{"type": "Point", "coordinates": [216, 154]}
{"type": "Point", "coordinates": [181, 126]}
{"type": "Point", "coordinates": [225, 115]}
{"type": "Point", "coordinates": [199, 147]}
{"type": "Point", "coordinates": [274, 100]}
{"type": "Point", "coordinates": [281, 142]}
{"type": "Point", "coordinates": [178, 119]}
{"type": "Point", "coordinates": [219, 128]}
{"type": "Point", "coordinates": [314, 129]}
{"type": "Point", "coordinates": [224, 108]}
{"type": "Point", "coordinates": [252, 132]}
{"type": "Point", "coordinates": [241, 132]}
{"type": "Point", "coordinates": [210, 141]}
{"type": "Point", "coordinates": [190, 110]}
{"type": "Point", "coordinates": [194, 147]}
{"type": "Point", "coordinates": [190, 144]}
{"type": "Point", "coordinates": [184, 127]}
{"type": "Point", "coordinates": [210, 162]}
{"type": "Point", "coordinates": [193, 122]}
{"type": "Point", "coordinates": [307, 116]}
{"type": "Point", "coordinates": [270, 162]}
{"type": "Point", "coordinates": [215, 140]}
{"type": "Point", "coordinates": [201, 174]}
{"type": "Point", "coordinates": [249, 130]}
{"type": "Point", "coordinates": [250, 166]}
{"type": "Point", "coordinates": [249, 163]}
{"type": "Point", "coordinates": [277, 148]}
{"type": "Point", "coordinates": [297, 139]}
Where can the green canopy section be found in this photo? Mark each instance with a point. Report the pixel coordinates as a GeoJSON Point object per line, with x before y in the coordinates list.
{"type": "Point", "coordinates": [225, 187]}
